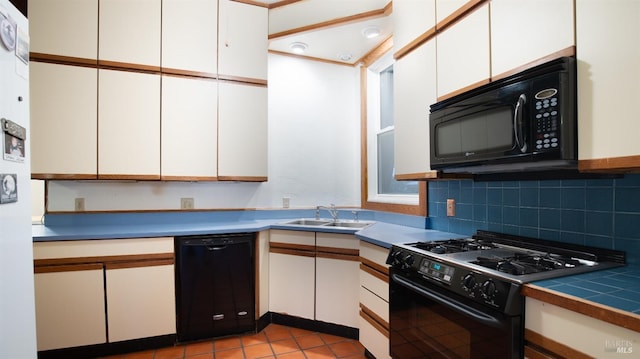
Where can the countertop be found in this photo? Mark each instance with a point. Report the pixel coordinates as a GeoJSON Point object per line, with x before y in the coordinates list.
{"type": "Point", "coordinates": [612, 295]}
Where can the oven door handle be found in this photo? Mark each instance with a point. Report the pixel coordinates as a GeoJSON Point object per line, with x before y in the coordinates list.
{"type": "Point", "coordinates": [449, 302]}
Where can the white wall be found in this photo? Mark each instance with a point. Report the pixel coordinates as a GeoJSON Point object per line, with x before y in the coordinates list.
{"type": "Point", "coordinates": [314, 152]}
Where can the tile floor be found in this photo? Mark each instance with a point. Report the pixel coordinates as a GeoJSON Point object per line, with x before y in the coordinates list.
{"type": "Point", "coordinates": [275, 341]}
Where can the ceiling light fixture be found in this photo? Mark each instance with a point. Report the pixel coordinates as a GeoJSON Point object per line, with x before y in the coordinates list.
{"type": "Point", "coordinates": [345, 56]}
{"type": "Point", "coordinates": [298, 47]}
{"type": "Point", "coordinates": [370, 32]}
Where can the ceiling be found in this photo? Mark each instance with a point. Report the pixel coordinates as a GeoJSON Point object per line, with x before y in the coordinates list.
{"type": "Point", "coordinates": [332, 29]}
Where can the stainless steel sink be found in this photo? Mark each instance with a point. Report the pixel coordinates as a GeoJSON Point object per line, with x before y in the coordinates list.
{"type": "Point", "coordinates": [307, 222]}
{"type": "Point", "coordinates": [311, 222]}
{"type": "Point", "coordinates": [348, 224]}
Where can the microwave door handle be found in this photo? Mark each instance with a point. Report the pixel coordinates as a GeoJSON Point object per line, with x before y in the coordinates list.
{"type": "Point", "coordinates": [518, 125]}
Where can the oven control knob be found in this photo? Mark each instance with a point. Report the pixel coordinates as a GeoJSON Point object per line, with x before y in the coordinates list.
{"type": "Point", "coordinates": [396, 258]}
{"type": "Point", "coordinates": [488, 289]}
{"type": "Point", "coordinates": [408, 261]}
{"type": "Point", "coordinates": [469, 281]}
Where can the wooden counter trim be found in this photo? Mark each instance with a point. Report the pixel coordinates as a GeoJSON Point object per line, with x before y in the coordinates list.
{"type": "Point", "coordinates": [129, 177]}
{"type": "Point", "coordinates": [243, 80]}
{"type": "Point", "coordinates": [463, 90]}
{"type": "Point", "coordinates": [372, 318]}
{"type": "Point", "coordinates": [188, 73]}
{"type": "Point", "coordinates": [138, 264]}
{"type": "Point", "coordinates": [127, 66]}
{"type": "Point", "coordinates": [375, 266]}
{"type": "Point", "coordinates": [544, 347]}
{"type": "Point", "coordinates": [340, 256]}
{"type": "Point", "coordinates": [67, 268]}
{"type": "Point", "coordinates": [336, 250]}
{"type": "Point", "coordinates": [292, 249]}
{"type": "Point", "coordinates": [612, 164]}
{"type": "Point", "coordinates": [591, 309]}
{"type": "Point", "coordinates": [64, 176]}
{"type": "Point", "coordinates": [568, 52]}
{"type": "Point", "coordinates": [63, 60]}
{"type": "Point", "coordinates": [459, 14]}
{"type": "Point", "coordinates": [243, 178]}
{"type": "Point", "coordinates": [148, 259]}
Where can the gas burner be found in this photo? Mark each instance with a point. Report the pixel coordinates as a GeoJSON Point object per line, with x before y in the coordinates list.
{"type": "Point", "coordinates": [454, 246]}
{"type": "Point", "coordinates": [527, 263]}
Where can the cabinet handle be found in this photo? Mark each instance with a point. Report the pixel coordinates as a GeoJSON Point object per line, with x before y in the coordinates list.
{"type": "Point", "coordinates": [218, 316]}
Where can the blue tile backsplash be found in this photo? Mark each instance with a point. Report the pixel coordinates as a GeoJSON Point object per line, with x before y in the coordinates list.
{"type": "Point", "coordinates": [594, 212]}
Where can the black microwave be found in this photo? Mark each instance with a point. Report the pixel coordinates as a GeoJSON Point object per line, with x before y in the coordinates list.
{"type": "Point", "coordinates": [525, 122]}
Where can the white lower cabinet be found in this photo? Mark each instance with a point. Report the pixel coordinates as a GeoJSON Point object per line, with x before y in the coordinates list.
{"type": "Point", "coordinates": [314, 275]}
{"type": "Point", "coordinates": [374, 299]}
{"type": "Point", "coordinates": [141, 301]}
{"type": "Point", "coordinates": [337, 279]}
{"type": "Point", "coordinates": [84, 287]}
{"type": "Point", "coordinates": [292, 273]}
{"type": "Point", "coordinates": [70, 308]}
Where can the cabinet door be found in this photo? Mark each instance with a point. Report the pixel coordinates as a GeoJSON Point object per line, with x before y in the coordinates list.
{"type": "Point", "coordinates": [64, 27]}
{"type": "Point", "coordinates": [523, 31]}
{"type": "Point", "coordinates": [411, 19]}
{"type": "Point", "coordinates": [70, 308]}
{"type": "Point", "coordinates": [242, 126]}
{"type": "Point", "coordinates": [189, 128]}
{"type": "Point", "coordinates": [190, 35]}
{"type": "Point", "coordinates": [415, 90]}
{"type": "Point", "coordinates": [292, 284]}
{"type": "Point", "coordinates": [292, 273]}
{"type": "Point", "coordinates": [141, 301]}
{"type": "Point", "coordinates": [242, 43]}
{"type": "Point", "coordinates": [608, 77]}
{"type": "Point", "coordinates": [337, 279]}
{"type": "Point", "coordinates": [463, 53]}
{"type": "Point", "coordinates": [63, 121]}
{"type": "Point", "coordinates": [128, 125]}
{"type": "Point", "coordinates": [129, 31]}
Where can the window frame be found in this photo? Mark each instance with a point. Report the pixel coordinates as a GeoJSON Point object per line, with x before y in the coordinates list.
{"type": "Point", "coordinates": [381, 203]}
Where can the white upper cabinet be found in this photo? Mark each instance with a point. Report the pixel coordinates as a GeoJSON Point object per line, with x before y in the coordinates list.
{"type": "Point", "coordinates": [523, 31]}
{"type": "Point", "coordinates": [130, 32]}
{"type": "Point", "coordinates": [189, 128]}
{"type": "Point", "coordinates": [414, 78]}
{"type": "Point", "coordinates": [463, 56]}
{"type": "Point", "coordinates": [242, 126]}
{"type": "Point", "coordinates": [242, 43]}
{"type": "Point", "coordinates": [64, 27]}
{"type": "Point", "coordinates": [128, 125]}
{"type": "Point", "coordinates": [411, 19]}
{"type": "Point", "coordinates": [63, 121]}
{"type": "Point", "coordinates": [190, 35]}
{"type": "Point", "coordinates": [608, 50]}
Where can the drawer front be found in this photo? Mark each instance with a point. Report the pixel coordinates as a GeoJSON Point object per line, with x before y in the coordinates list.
{"type": "Point", "coordinates": [374, 253]}
{"type": "Point", "coordinates": [375, 285]}
{"type": "Point", "coordinates": [378, 305]}
{"type": "Point", "coordinates": [100, 248]}
{"type": "Point", "coordinates": [372, 339]}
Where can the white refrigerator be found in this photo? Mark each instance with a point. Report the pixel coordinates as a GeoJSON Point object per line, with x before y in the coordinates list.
{"type": "Point", "coordinates": [17, 308]}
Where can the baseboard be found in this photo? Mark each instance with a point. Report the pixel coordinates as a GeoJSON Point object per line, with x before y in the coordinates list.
{"type": "Point", "coordinates": [107, 349]}
{"type": "Point", "coordinates": [315, 325]}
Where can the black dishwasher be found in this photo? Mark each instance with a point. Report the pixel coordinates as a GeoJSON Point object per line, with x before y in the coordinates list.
{"type": "Point", "coordinates": [214, 285]}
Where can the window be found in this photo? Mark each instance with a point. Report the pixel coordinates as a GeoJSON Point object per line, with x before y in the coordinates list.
{"type": "Point", "coordinates": [382, 190]}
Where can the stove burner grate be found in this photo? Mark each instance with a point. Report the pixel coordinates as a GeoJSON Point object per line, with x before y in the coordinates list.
{"type": "Point", "coordinates": [454, 246]}
{"type": "Point", "coordinates": [525, 263]}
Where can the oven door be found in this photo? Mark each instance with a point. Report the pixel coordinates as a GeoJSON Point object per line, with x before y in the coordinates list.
{"type": "Point", "coordinates": [428, 322]}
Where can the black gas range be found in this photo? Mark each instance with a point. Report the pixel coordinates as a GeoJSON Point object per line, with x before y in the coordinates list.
{"type": "Point", "coordinates": [471, 286]}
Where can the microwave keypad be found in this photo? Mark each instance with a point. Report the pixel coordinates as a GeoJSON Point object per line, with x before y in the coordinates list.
{"type": "Point", "coordinates": [547, 123]}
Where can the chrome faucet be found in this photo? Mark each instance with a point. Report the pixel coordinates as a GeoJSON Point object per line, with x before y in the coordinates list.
{"type": "Point", "coordinates": [333, 211]}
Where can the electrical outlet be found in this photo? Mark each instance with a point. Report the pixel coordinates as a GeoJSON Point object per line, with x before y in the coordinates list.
{"type": "Point", "coordinates": [451, 207]}
{"type": "Point", "coordinates": [79, 204]}
{"type": "Point", "coordinates": [186, 203]}
{"type": "Point", "coordinates": [285, 202]}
